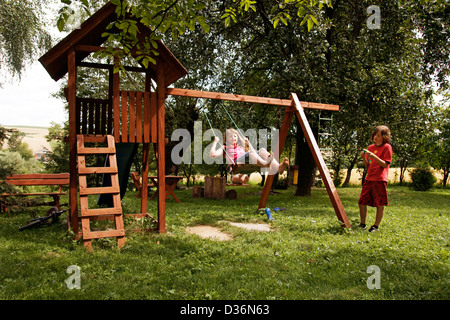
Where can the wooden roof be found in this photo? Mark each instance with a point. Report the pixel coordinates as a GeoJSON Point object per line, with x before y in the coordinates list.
{"type": "Point", "coordinates": [89, 33]}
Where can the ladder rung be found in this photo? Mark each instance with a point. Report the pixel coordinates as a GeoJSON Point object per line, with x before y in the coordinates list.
{"type": "Point", "coordinates": [97, 170]}
{"type": "Point", "coordinates": [101, 190]}
{"type": "Point", "coordinates": [100, 212]}
{"type": "Point", "coordinates": [103, 234]}
{"type": "Point", "coordinates": [93, 139]}
{"type": "Point", "coordinates": [96, 151]}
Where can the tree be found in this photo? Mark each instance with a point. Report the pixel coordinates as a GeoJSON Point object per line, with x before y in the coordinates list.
{"type": "Point", "coordinates": [438, 148]}
{"type": "Point", "coordinates": [324, 52]}
{"type": "Point", "coordinates": [23, 34]}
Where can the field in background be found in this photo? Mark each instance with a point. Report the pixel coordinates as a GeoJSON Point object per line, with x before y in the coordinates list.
{"type": "Point", "coordinates": [34, 137]}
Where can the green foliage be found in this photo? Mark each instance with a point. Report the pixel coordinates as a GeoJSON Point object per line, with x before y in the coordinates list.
{"type": "Point", "coordinates": [423, 179]}
{"type": "Point", "coordinates": [23, 34]}
{"type": "Point", "coordinates": [57, 160]}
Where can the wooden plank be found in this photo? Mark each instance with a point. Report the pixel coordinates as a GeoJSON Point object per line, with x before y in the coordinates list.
{"type": "Point", "coordinates": [227, 96]}
{"type": "Point", "coordinates": [154, 117]}
{"type": "Point", "coordinates": [246, 98]}
{"type": "Point", "coordinates": [39, 182]}
{"type": "Point", "coordinates": [97, 170]}
{"type": "Point", "coordinates": [160, 109]}
{"type": "Point", "coordinates": [326, 178]}
{"type": "Point", "coordinates": [101, 212]}
{"type": "Point", "coordinates": [39, 176]}
{"type": "Point", "coordinates": [89, 235]}
{"type": "Point", "coordinates": [139, 138]}
{"type": "Point", "coordinates": [93, 139]}
{"type": "Point", "coordinates": [96, 151]}
{"type": "Point", "coordinates": [116, 102]}
{"type": "Point", "coordinates": [72, 90]}
{"type": "Point", "coordinates": [280, 145]}
{"type": "Point", "coordinates": [144, 187]}
{"type": "Point", "coordinates": [132, 116]}
{"type": "Point", "coordinates": [98, 190]}
{"type": "Point", "coordinates": [35, 194]}
{"type": "Point", "coordinates": [147, 119]}
{"type": "Point", "coordinates": [124, 134]}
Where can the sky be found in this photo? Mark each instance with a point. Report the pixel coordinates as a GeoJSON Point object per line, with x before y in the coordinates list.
{"type": "Point", "coordinates": [28, 102]}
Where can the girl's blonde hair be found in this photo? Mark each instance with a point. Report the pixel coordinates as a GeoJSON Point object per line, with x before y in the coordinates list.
{"type": "Point", "coordinates": [229, 132]}
{"type": "Point", "coordinates": [385, 133]}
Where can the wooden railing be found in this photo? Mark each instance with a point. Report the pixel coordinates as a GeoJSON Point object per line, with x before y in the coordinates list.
{"type": "Point", "coordinates": [132, 120]}
{"type": "Point", "coordinates": [95, 116]}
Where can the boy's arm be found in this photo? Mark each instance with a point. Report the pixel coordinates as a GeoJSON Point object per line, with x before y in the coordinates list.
{"type": "Point", "coordinates": [363, 156]}
{"type": "Point", "coordinates": [373, 156]}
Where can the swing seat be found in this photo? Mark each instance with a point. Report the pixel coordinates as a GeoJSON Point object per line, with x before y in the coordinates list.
{"type": "Point", "coordinates": [246, 168]}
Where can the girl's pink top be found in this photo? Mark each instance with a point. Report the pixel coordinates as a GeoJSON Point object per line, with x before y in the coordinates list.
{"type": "Point", "coordinates": [233, 152]}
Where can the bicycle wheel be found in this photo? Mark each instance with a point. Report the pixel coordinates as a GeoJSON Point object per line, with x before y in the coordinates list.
{"type": "Point", "coordinates": [32, 224]}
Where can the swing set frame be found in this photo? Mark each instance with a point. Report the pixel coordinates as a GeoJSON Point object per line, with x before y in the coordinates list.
{"type": "Point", "coordinates": [293, 106]}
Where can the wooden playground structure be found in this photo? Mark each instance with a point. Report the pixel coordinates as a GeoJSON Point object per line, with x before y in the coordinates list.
{"type": "Point", "coordinates": [139, 118]}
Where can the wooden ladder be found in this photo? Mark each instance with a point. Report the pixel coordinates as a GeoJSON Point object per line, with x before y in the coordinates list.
{"type": "Point", "coordinates": [112, 213]}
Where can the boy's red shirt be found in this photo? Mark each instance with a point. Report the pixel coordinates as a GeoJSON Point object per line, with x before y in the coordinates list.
{"type": "Point", "coordinates": [375, 172]}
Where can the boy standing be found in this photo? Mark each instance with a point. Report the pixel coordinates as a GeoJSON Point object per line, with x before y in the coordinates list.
{"type": "Point", "coordinates": [377, 159]}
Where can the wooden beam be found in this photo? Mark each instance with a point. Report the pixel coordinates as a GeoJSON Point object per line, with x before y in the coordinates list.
{"type": "Point", "coordinates": [72, 92]}
{"type": "Point", "coordinates": [161, 96]}
{"type": "Point", "coordinates": [116, 101]}
{"type": "Point", "coordinates": [280, 145]}
{"type": "Point", "coordinates": [312, 143]}
{"type": "Point", "coordinates": [249, 99]}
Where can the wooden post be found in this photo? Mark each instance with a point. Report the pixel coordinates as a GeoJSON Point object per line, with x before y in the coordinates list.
{"type": "Point", "coordinates": [72, 91]}
{"type": "Point", "coordinates": [281, 140]}
{"type": "Point", "coordinates": [215, 187]}
{"type": "Point", "coordinates": [144, 188]}
{"type": "Point", "coordinates": [161, 92]}
{"type": "Point", "coordinates": [309, 136]}
{"type": "Point", "coordinates": [116, 101]}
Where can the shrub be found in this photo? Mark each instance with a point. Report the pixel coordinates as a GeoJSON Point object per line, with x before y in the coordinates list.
{"type": "Point", "coordinates": [422, 179]}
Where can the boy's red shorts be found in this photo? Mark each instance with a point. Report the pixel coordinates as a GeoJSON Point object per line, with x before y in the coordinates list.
{"type": "Point", "coordinates": [374, 194]}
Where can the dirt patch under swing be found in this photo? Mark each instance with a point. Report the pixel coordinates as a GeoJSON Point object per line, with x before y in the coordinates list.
{"type": "Point", "coordinates": [214, 233]}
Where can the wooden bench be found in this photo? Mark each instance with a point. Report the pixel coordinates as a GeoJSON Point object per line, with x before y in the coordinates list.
{"type": "Point", "coordinates": [39, 179]}
{"type": "Point", "coordinates": [137, 183]}
{"type": "Point", "coordinates": [170, 184]}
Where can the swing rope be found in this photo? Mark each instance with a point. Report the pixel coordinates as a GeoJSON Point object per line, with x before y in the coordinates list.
{"type": "Point", "coordinates": [224, 148]}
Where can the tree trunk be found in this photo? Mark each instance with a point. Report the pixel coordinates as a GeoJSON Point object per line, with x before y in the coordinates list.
{"type": "Point", "coordinates": [349, 171]}
{"type": "Point", "coordinates": [306, 164]}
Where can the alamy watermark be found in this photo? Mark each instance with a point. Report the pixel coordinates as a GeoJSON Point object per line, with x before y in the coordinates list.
{"type": "Point", "coordinates": [374, 281]}
{"type": "Point", "coordinates": [74, 281]}
{"type": "Point", "coordinates": [374, 20]}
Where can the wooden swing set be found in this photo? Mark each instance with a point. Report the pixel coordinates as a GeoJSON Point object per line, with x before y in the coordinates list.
{"type": "Point", "coordinates": [138, 117]}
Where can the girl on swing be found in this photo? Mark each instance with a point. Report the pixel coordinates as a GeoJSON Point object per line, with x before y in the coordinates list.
{"type": "Point", "coordinates": [238, 150]}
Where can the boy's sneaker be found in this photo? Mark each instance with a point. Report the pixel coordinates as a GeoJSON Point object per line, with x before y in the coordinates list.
{"type": "Point", "coordinates": [362, 226]}
{"type": "Point", "coordinates": [373, 228]}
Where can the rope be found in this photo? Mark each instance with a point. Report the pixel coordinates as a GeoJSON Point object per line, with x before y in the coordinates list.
{"type": "Point", "coordinates": [224, 149]}
{"type": "Point", "coordinates": [237, 127]}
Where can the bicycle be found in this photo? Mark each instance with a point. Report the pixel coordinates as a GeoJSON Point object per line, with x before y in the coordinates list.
{"type": "Point", "coordinates": [52, 216]}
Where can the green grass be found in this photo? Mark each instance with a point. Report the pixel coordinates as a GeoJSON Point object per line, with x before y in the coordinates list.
{"type": "Point", "coordinates": [307, 256]}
